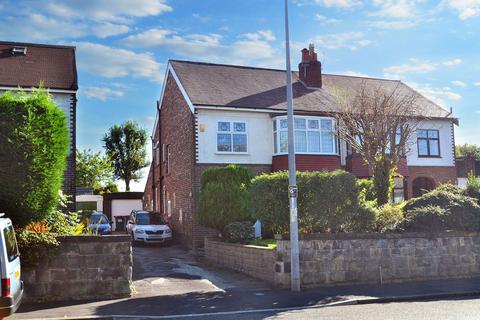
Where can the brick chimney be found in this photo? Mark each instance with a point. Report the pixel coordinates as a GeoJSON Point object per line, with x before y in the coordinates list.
{"type": "Point", "coordinates": [310, 69]}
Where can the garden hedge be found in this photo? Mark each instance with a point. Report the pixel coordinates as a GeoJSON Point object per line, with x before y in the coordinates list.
{"type": "Point", "coordinates": [224, 196]}
{"type": "Point", "coordinates": [33, 150]}
{"type": "Point", "coordinates": [442, 209]}
{"type": "Point", "coordinates": [327, 202]}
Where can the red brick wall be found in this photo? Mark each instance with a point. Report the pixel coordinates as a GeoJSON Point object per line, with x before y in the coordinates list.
{"type": "Point", "coordinates": [177, 130]}
{"type": "Point", "coordinates": [356, 165]}
{"type": "Point", "coordinates": [307, 162]}
{"type": "Point", "coordinates": [438, 174]}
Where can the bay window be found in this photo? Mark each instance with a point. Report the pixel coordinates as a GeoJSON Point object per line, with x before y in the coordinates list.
{"type": "Point", "coordinates": [313, 135]}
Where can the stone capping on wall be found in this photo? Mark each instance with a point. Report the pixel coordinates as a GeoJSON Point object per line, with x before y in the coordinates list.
{"type": "Point", "coordinates": [359, 236]}
{"type": "Point", "coordinates": [92, 238]}
{"type": "Point", "coordinates": [82, 268]}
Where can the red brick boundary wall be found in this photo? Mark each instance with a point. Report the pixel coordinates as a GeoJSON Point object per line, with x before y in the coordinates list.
{"type": "Point", "coordinates": [257, 262]}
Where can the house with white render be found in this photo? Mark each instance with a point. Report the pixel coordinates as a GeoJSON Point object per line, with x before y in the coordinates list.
{"type": "Point", "coordinates": [214, 115]}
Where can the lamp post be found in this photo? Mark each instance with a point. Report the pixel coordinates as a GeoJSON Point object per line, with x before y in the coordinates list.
{"type": "Point", "coordinates": [292, 179]}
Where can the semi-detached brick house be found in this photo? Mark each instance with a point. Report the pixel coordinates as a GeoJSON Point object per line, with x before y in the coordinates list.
{"type": "Point", "coordinates": [213, 115]}
{"type": "Point", "coordinates": [26, 65]}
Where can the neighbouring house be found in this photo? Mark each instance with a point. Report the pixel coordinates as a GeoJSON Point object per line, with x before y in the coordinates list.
{"type": "Point", "coordinates": [87, 200]}
{"type": "Point", "coordinates": [118, 206]}
{"type": "Point", "coordinates": [24, 66]}
{"type": "Point", "coordinates": [213, 115]}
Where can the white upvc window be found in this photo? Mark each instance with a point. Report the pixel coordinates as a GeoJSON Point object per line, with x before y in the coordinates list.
{"type": "Point", "coordinates": [232, 136]}
{"type": "Point", "coordinates": [313, 135]}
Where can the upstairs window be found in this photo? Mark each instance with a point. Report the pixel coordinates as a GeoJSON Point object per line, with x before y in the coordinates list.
{"type": "Point", "coordinates": [232, 137]}
{"type": "Point", "coordinates": [428, 142]}
{"type": "Point", "coordinates": [312, 135]}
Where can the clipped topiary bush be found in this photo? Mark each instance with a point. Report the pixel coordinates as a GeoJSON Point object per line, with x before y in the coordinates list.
{"type": "Point", "coordinates": [441, 210]}
{"type": "Point", "coordinates": [33, 150]}
{"type": "Point", "coordinates": [224, 196]}
{"type": "Point", "coordinates": [239, 232]}
{"type": "Point", "coordinates": [327, 202]}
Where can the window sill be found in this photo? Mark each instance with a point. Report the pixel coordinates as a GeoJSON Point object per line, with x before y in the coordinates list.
{"type": "Point", "coordinates": [233, 153]}
{"type": "Point", "coordinates": [430, 157]}
{"type": "Point", "coordinates": [307, 154]}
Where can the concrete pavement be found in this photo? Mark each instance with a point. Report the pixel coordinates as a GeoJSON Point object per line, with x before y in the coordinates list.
{"type": "Point", "coordinates": [170, 281]}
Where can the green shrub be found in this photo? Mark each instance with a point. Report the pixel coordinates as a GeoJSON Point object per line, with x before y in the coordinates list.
{"type": "Point", "coordinates": [366, 189]}
{"type": "Point", "coordinates": [441, 210]}
{"type": "Point", "coordinates": [239, 232]}
{"type": "Point", "coordinates": [224, 196]}
{"type": "Point", "coordinates": [327, 202]}
{"type": "Point", "coordinates": [33, 150]}
{"type": "Point", "coordinates": [34, 245]}
{"type": "Point", "coordinates": [473, 187]}
{"type": "Point", "coordinates": [388, 216]}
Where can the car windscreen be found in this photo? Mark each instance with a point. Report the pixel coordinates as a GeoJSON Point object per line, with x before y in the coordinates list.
{"type": "Point", "coordinates": [98, 219]}
{"type": "Point", "coordinates": [146, 218]}
{"type": "Point", "coordinates": [10, 243]}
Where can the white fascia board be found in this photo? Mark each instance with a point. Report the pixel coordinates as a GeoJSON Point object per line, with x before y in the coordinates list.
{"type": "Point", "coordinates": [239, 109]}
{"type": "Point", "coordinates": [180, 86]}
{"type": "Point", "coordinates": [31, 89]}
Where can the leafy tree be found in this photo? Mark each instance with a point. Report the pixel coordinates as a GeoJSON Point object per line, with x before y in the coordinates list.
{"type": "Point", "coordinates": [33, 150]}
{"type": "Point", "coordinates": [468, 150]}
{"type": "Point", "coordinates": [125, 146]}
{"type": "Point", "coordinates": [94, 170]}
{"type": "Point", "coordinates": [378, 123]}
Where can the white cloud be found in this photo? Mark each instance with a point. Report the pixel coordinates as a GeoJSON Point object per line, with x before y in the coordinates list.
{"type": "Point", "coordinates": [325, 20]}
{"type": "Point", "coordinates": [37, 27]}
{"type": "Point", "coordinates": [417, 66]}
{"type": "Point", "coordinates": [452, 62]}
{"type": "Point", "coordinates": [476, 84]}
{"type": "Point", "coordinates": [104, 30]}
{"type": "Point", "coordinates": [465, 9]}
{"type": "Point", "coordinates": [348, 40]}
{"type": "Point", "coordinates": [414, 66]}
{"type": "Point", "coordinates": [395, 25]}
{"type": "Point", "coordinates": [341, 4]}
{"type": "Point", "coordinates": [250, 48]}
{"type": "Point", "coordinates": [437, 94]}
{"type": "Point", "coordinates": [459, 83]}
{"type": "Point", "coordinates": [105, 10]}
{"type": "Point", "coordinates": [200, 17]}
{"type": "Point", "coordinates": [353, 74]}
{"type": "Point", "coordinates": [101, 93]}
{"type": "Point", "coordinates": [396, 8]}
{"type": "Point", "coordinates": [112, 62]}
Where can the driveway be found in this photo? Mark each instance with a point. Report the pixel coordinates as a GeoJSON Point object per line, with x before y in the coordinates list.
{"type": "Point", "coordinates": [167, 271]}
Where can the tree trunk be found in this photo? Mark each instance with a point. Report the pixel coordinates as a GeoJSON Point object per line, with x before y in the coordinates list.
{"type": "Point", "coordinates": [381, 181]}
{"type": "Point", "coordinates": [127, 185]}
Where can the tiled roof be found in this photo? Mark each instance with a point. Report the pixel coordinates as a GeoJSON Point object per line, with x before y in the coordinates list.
{"type": "Point", "coordinates": [257, 88]}
{"type": "Point", "coordinates": [53, 65]}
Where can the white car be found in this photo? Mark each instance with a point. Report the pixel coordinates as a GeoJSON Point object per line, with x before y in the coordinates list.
{"type": "Point", "coordinates": [148, 226]}
{"type": "Point", "coordinates": [11, 287]}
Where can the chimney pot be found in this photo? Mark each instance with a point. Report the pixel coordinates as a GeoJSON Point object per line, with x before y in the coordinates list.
{"type": "Point", "coordinates": [310, 69]}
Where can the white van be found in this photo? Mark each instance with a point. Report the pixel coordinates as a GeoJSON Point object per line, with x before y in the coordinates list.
{"type": "Point", "coordinates": [11, 287]}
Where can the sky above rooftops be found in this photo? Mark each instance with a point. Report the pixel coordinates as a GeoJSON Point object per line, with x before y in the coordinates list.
{"type": "Point", "coordinates": [123, 48]}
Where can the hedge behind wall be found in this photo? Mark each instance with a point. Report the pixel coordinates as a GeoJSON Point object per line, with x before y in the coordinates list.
{"type": "Point", "coordinates": [33, 150]}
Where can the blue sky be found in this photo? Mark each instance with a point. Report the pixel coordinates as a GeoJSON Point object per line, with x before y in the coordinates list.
{"type": "Point", "coordinates": [123, 47]}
